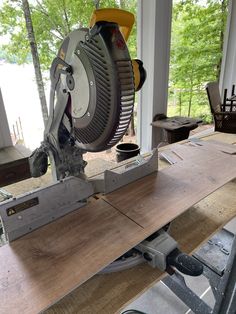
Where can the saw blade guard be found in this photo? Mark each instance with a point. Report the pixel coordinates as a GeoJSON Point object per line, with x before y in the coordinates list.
{"type": "Point", "coordinates": [101, 85]}
{"type": "Point", "coordinates": [101, 88]}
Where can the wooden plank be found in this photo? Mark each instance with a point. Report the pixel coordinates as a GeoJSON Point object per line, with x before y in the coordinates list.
{"type": "Point", "coordinates": [43, 266]}
{"type": "Point", "coordinates": [194, 151]}
{"type": "Point", "coordinates": [161, 197]}
{"type": "Point", "coordinates": [22, 150]}
{"type": "Point", "coordinates": [222, 137]}
{"type": "Point", "coordinates": [215, 145]}
{"type": "Point", "coordinates": [14, 165]}
{"type": "Point", "coordinates": [13, 153]}
{"type": "Point", "coordinates": [14, 171]}
{"type": "Point", "coordinates": [107, 294]}
{"type": "Point", "coordinates": [9, 154]}
{"type": "Point", "coordinates": [48, 263]}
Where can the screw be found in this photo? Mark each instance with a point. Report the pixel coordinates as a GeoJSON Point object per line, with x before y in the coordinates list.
{"type": "Point", "coordinates": [91, 83]}
{"type": "Point", "coordinates": [87, 37]}
{"type": "Point", "coordinates": [64, 90]}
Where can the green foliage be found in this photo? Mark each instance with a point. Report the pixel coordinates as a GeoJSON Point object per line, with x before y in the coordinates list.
{"type": "Point", "coordinates": [52, 21]}
{"type": "Point", "coordinates": [196, 47]}
{"type": "Point", "coordinates": [196, 51]}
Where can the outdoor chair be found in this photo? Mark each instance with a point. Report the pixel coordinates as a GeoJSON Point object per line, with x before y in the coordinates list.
{"type": "Point", "coordinates": [224, 114]}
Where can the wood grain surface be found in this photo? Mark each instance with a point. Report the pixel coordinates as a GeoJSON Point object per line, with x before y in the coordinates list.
{"type": "Point", "coordinates": [152, 200]}
{"type": "Point", "coordinates": [45, 265]}
{"type": "Point", "coordinates": [108, 294]}
{"type": "Point", "coordinates": [222, 137]}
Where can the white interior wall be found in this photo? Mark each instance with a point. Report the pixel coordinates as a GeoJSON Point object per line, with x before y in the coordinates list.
{"type": "Point", "coordinates": [5, 137]}
{"type": "Point", "coordinates": [154, 33]}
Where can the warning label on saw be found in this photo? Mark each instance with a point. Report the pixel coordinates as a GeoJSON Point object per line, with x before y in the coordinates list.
{"type": "Point", "coordinates": [22, 206]}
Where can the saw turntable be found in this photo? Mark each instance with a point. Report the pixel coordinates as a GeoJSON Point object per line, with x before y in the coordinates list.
{"type": "Point", "coordinates": [93, 85]}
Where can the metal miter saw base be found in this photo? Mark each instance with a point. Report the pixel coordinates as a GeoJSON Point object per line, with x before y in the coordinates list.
{"type": "Point", "coordinates": [28, 212]}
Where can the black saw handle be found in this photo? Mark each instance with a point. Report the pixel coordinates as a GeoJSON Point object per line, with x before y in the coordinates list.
{"type": "Point", "coordinates": [184, 263]}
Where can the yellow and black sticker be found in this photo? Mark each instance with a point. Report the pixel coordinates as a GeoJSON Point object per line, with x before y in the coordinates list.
{"type": "Point", "coordinates": [22, 206]}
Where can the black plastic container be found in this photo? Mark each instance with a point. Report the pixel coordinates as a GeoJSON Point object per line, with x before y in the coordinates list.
{"type": "Point", "coordinates": [126, 151]}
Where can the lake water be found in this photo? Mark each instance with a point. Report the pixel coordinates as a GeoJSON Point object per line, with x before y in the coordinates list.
{"type": "Point", "coordinates": [20, 96]}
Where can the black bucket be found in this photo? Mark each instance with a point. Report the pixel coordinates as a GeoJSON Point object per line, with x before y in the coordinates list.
{"type": "Point", "coordinates": [126, 151]}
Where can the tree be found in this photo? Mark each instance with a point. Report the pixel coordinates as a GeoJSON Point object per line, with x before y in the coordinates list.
{"type": "Point", "coordinates": [35, 57]}
{"type": "Point", "coordinates": [196, 51]}
{"type": "Point", "coordinates": [52, 20]}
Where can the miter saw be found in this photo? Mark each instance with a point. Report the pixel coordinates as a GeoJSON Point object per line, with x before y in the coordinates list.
{"type": "Point", "coordinates": [93, 84]}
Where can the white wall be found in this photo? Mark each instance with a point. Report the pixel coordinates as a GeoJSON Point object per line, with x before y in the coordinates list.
{"type": "Point", "coordinates": [5, 137]}
{"type": "Point", "coordinates": [154, 31]}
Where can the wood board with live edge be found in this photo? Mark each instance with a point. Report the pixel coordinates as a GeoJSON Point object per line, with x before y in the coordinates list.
{"type": "Point", "coordinates": [45, 265]}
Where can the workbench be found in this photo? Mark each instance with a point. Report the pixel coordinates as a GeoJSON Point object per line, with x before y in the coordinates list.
{"type": "Point", "coordinates": [102, 293]}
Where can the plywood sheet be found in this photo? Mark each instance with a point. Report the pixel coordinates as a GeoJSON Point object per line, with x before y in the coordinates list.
{"type": "Point", "coordinates": [157, 199]}
{"type": "Point", "coordinates": [42, 267]}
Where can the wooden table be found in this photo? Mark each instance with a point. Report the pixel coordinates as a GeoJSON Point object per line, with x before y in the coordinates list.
{"type": "Point", "coordinates": [40, 265]}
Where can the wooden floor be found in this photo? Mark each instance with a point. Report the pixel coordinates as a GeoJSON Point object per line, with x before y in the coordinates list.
{"type": "Point", "coordinates": [47, 264]}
